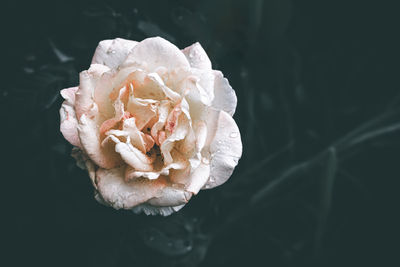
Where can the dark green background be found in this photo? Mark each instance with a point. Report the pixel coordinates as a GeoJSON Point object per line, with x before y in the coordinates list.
{"type": "Point", "coordinates": [318, 108]}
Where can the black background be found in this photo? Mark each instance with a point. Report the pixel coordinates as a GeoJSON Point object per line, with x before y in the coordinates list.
{"type": "Point", "coordinates": [318, 108]}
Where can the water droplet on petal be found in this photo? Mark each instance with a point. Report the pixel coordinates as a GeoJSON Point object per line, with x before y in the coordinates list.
{"type": "Point", "coordinates": [205, 160]}
{"type": "Point", "coordinates": [233, 134]}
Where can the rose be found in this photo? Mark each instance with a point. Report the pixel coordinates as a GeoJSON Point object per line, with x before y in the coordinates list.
{"type": "Point", "coordinates": [152, 124]}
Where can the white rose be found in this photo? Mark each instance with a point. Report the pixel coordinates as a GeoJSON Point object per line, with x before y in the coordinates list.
{"type": "Point", "coordinates": [152, 124]}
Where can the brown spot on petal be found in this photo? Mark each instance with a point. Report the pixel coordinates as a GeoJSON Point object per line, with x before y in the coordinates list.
{"type": "Point", "coordinates": [172, 120]}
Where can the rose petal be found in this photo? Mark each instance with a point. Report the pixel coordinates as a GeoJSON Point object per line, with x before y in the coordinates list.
{"type": "Point", "coordinates": [89, 135]}
{"type": "Point", "coordinates": [198, 178]}
{"type": "Point", "coordinates": [163, 111]}
{"type": "Point", "coordinates": [112, 53]}
{"type": "Point", "coordinates": [69, 94]}
{"type": "Point", "coordinates": [121, 194]}
{"type": "Point", "coordinates": [224, 96]}
{"type": "Point", "coordinates": [180, 132]}
{"type": "Point", "coordinates": [170, 196]}
{"type": "Point", "coordinates": [179, 163]}
{"type": "Point", "coordinates": [88, 80]}
{"type": "Point", "coordinates": [193, 181]}
{"type": "Point", "coordinates": [134, 157]}
{"type": "Point", "coordinates": [225, 149]}
{"type": "Point", "coordinates": [156, 52]}
{"type": "Point", "coordinates": [143, 110]}
{"type": "Point", "coordinates": [118, 112]}
{"type": "Point", "coordinates": [155, 78]}
{"type": "Point", "coordinates": [68, 121]}
{"type": "Point", "coordinates": [197, 57]}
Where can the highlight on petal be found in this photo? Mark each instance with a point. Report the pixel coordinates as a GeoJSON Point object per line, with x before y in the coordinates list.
{"type": "Point", "coordinates": [224, 96]}
{"type": "Point", "coordinates": [197, 57]}
{"type": "Point", "coordinates": [225, 149]}
{"type": "Point", "coordinates": [112, 53]}
{"type": "Point", "coordinates": [156, 52]}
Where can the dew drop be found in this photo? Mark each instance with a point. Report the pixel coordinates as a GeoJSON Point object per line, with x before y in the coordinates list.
{"type": "Point", "coordinates": [205, 160]}
{"type": "Point", "coordinates": [233, 134]}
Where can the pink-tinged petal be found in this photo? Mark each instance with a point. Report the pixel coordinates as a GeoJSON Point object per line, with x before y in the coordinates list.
{"type": "Point", "coordinates": [143, 110]}
{"type": "Point", "coordinates": [197, 57]}
{"type": "Point", "coordinates": [119, 113]}
{"type": "Point", "coordinates": [68, 121]}
{"type": "Point", "coordinates": [172, 120]}
{"type": "Point", "coordinates": [179, 163]}
{"type": "Point", "coordinates": [153, 210]}
{"type": "Point", "coordinates": [225, 148]}
{"type": "Point", "coordinates": [224, 96]}
{"type": "Point", "coordinates": [140, 140]}
{"type": "Point", "coordinates": [69, 94]}
{"type": "Point", "coordinates": [179, 133]}
{"type": "Point", "coordinates": [163, 111]}
{"type": "Point", "coordinates": [112, 53]}
{"type": "Point", "coordinates": [88, 80]}
{"type": "Point", "coordinates": [156, 52]}
{"type": "Point", "coordinates": [134, 157]}
{"type": "Point", "coordinates": [89, 135]}
{"type": "Point", "coordinates": [121, 194]}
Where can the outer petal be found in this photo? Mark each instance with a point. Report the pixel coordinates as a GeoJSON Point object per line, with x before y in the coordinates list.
{"type": "Point", "coordinates": [89, 135]}
{"type": "Point", "coordinates": [69, 123]}
{"type": "Point", "coordinates": [156, 52]}
{"type": "Point", "coordinates": [121, 194]}
{"type": "Point", "coordinates": [88, 80]}
{"type": "Point", "coordinates": [112, 53]}
{"type": "Point", "coordinates": [224, 96]}
{"type": "Point", "coordinates": [170, 197]}
{"type": "Point", "coordinates": [225, 149]}
{"type": "Point", "coordinates": [153, 210]}
{"type": "Point", "coordinates": [197, 57]}
{"type": "Point", "coordinates": [199, 178]}
{"type": "Point", "coordinates": [193, 181]}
